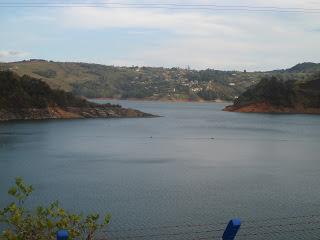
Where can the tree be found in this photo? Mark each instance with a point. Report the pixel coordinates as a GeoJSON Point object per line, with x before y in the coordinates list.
{"type": "Point", "coordinates": [42, 223]}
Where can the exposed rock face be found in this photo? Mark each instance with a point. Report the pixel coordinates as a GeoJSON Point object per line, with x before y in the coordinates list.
{"type": "Point", "coordinates": [265, 107]}
{"type": "Point", "coordinates": [273, 95]}
{"type": "Point", "coordinates": [106, 112]}
{"type": "Point", "coordinates": [69, 113]}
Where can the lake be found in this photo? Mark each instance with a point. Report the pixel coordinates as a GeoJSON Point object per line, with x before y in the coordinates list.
{"type": "Point", "coordinates": [179, 176]}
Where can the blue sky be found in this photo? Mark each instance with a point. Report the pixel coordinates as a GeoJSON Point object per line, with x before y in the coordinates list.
{"type": "Point", "coordinates": [227, 40]}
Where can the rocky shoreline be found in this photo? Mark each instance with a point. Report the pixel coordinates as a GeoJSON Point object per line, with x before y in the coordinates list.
{"type": "Point", "coordinates": [165, 100]}
{"type": "Point", "coordinates": [265, 107]}
{"type": "Point", "coordinates": [70, 113]}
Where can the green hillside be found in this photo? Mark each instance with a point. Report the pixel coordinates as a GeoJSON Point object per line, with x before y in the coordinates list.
{"type": "Point", "coordinates": [100, 81]}
{"type": "Point", "coordinates": [277, 94]}
{"type": "Point", "coordinates": [28, 98]}
{"type": "Point", "coordinates": [26, 92]}
{"type": "Point", "coordinates": [93, 80]}
{"type": "Point", "coordinates": [307, 67]}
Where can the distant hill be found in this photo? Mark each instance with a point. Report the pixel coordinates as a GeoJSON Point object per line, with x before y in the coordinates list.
{"type": "Point", "coordinates": [29, 98]}
{"type": "Point", "coordinates": [176, 84]}
{"type": "Point", "coordinates": [100, 81]}
{"type": "Point", "coordinates": [305, 67]}
{"type": "Point", "coordinates": [274, 94]}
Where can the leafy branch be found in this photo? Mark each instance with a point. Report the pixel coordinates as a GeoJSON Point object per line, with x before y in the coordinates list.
{"type": "Point", "coordinates": [42, 223]}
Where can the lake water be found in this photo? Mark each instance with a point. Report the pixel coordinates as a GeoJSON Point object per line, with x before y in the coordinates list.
{"type": "Point", "coordinates": [179, 176]}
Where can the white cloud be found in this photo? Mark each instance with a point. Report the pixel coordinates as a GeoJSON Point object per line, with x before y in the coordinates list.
{"type": "Point", "coordinates": [227, 40]}
{"type": "Point", "coordinates": [178, 22]}
{"type": "Point", "coordinates": [216, 39]}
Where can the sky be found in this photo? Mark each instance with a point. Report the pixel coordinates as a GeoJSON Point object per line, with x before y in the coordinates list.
{"type": "Point", "coordinates": [195, 38]}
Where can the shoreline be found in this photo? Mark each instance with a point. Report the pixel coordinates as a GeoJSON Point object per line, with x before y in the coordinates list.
{"type": "Point", "coordinates": [264, 107]}
{"type": "Point", "coordinates": [71, 113]}
{"type": "Point", "coordinates": [161, 100]}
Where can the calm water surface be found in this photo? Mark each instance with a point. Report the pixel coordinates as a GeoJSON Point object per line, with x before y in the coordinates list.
{"type": "Point", "coordinates": [195, 165]}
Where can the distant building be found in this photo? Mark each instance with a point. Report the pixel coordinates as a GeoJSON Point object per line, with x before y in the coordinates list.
{"type": "Point", "coordinates": [197, 89]}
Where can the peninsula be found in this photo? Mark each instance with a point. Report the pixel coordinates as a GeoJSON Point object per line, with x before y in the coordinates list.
{"type": "Point", "coordinates": [27, 98]}
{"type": "Point", "coordinates": [278, 95]}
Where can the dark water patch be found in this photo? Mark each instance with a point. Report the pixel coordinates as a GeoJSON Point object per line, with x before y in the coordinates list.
{"type": "Point", "coordinates": [147, 161]}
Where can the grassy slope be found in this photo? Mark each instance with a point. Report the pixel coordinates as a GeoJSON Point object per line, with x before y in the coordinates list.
{"type": "Point", "coordinates": [66, 73]}
{"type": "Point", "coordinates": [93, 80]}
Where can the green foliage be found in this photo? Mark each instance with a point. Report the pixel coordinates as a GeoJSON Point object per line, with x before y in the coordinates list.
{"type": "Point", "coordinates": [284, 92]}
{"type": "Point", "coordinates": [94, 80]}
{"type": "Point", "coordinates": [27, 92]}
{"type": "Point", "coordinates": [44, 222]}
{"type": "Point", "coordinates": [305, 67]}
{"type": "Point", "coordinates": [208, 95]}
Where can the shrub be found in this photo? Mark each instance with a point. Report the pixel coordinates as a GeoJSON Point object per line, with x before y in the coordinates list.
{"type": "Point", "coordinates": [42, 223]}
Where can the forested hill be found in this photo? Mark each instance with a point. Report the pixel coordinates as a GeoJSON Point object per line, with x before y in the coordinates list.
{"type": "Point", "coordinates": [27, 92]}
{"type": "Point", "coordinates": [100, 81]}
{"type": "Point", "coordinates": [307, 67]}
{"type": "Point", "coordinates": [29, 98]}
{"type": "Point", "coordinates": [274, 94]}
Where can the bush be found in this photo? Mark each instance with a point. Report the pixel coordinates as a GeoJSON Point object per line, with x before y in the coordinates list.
{"type": "Point", "coordinates": [43, 223]}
